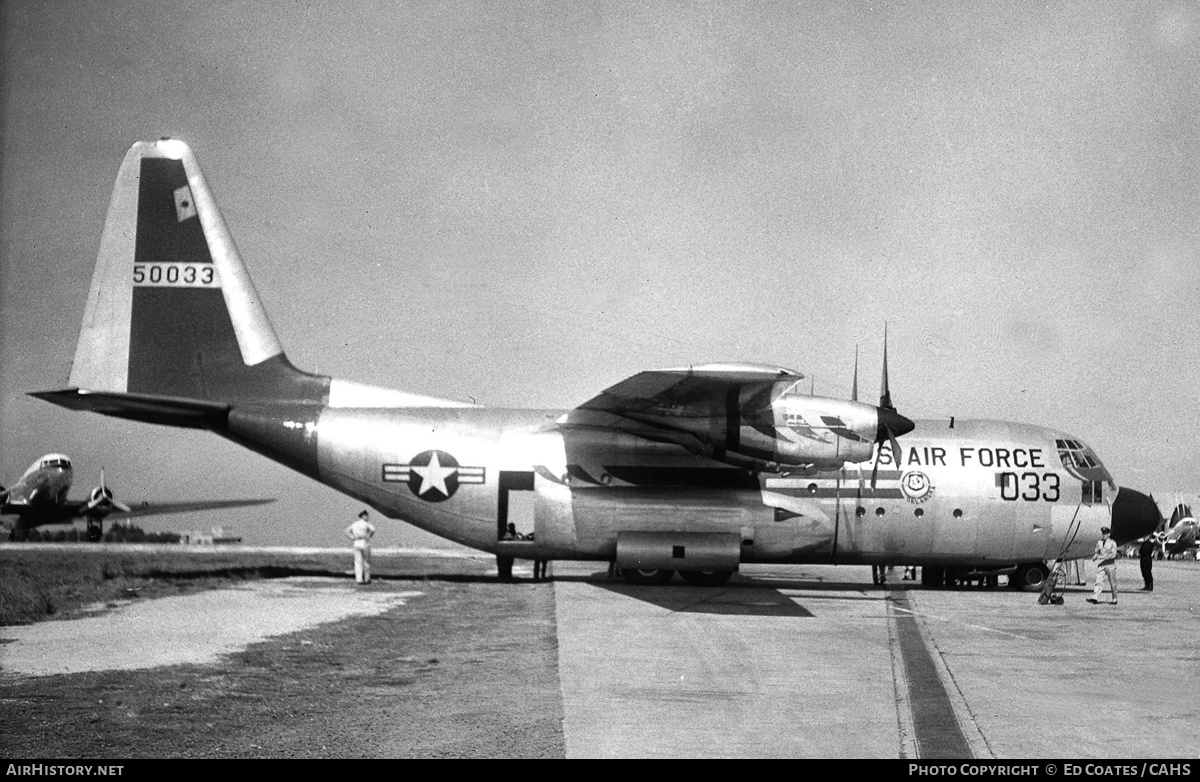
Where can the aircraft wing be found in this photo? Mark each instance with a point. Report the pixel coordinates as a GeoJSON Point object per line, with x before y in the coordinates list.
{"type": "Point", "coordinates": [702, 392]}
{"type": "Point", "coordinates": [52, 513]}
{"type": "Point", "coordinates": [748, 415]}
{"type": "Point", "coordinates": [146, 508]}
{"type": "Point", "coordinates": [691, 406]}
{"type": "Point", "coordinates": [712, 410]}
{"type": "Point", "coordinates": [66, 512]}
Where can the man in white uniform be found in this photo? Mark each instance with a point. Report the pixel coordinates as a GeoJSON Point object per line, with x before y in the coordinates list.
{"type": "Point", "coordinates": [361, 532]}
{"type": "Point", "coordinates": [1105, 558]}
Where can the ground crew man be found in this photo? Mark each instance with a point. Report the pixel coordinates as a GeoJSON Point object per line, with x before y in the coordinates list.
{"type": "Point", "coordinates": [360, 532]}
{"type": "Point", "coordinates": [1105, 558]}
{"type": "Point", "coordinates": [1146, 555]}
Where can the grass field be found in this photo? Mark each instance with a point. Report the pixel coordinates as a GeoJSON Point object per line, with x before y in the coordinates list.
{"type": "Point", "coordinates": [467, 667]}
{"type": "Point", "coordinates": [58, 581]}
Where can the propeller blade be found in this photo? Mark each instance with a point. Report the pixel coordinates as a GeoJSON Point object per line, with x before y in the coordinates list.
{"type": "Point", "coordinates": [885, 394]}
{"type": "Point", "coordinates": [891, 424]}
{"type": "Point", "coordinates": [854, 388]}
{"type": "Point", "coordinates": [895, 447]}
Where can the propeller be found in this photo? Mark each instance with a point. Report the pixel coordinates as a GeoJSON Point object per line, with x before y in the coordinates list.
{"type": "Point", "coordinates": [891, 423]}
{"type": "Point", "coordinates": [103, 496]}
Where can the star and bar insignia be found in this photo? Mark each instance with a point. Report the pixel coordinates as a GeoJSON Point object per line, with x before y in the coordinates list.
{"type": "Point", "coordinates": [432, 476]}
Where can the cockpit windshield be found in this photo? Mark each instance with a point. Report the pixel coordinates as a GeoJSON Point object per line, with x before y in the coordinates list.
{"type": "Point", "coordinates": [1082, 463]}
{"type": "Point", "coordinates": [55, 461]}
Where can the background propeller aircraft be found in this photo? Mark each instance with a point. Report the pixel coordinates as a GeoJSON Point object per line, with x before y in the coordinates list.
{"type": "Point", "coordinates": [40, 497]}
{"type": "Point", "coordinates": [1179, 532]}
{"type": "Point", "coordinates": [692, 470]}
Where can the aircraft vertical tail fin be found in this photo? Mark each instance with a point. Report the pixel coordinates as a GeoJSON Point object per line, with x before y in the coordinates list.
{"type": "Point", "coordinates": [172, 313]}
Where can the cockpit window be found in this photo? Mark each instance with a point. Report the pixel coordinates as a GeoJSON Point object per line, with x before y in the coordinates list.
{"type": "Point", "coordinates": [1079, 460]}
{"type": "Point", "coordinates": [64, 463]}
{"type": "Point", "coordinates": [1075, 454]}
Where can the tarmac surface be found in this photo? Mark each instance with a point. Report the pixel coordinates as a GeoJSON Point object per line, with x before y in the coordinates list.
{"type": "Point", "coordinates": [795, 661]}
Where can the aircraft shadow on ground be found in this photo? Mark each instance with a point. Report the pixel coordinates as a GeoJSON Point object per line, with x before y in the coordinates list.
{"type": "Point", "coordinates": [726, 600]}
{"type": "Point", "coordinates": [742, 596]}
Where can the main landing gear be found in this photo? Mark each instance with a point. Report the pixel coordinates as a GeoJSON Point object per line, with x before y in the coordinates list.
{"type": "Point", "coordinates": [1027, 576]}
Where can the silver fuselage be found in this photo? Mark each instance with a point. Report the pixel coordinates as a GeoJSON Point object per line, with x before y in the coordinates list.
{"type": "Point", "coordinates": [977, 492]}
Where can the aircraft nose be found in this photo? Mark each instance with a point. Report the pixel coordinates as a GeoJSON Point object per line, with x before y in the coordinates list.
{"type": "Point", "coordinates": [1134, 515]}
{"type": "Point", "coordinates": [895, 423]}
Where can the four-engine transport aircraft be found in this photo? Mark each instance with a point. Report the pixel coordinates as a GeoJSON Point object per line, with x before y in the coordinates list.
{"type": "Point", "coordinates": [693, 470]}
{"type": "Point", "coordinates": [40, 497]}
{"type": "Point", "coordinates": [1179, 532]}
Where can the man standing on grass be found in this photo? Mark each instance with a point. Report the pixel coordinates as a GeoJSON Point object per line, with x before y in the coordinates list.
{"type": "Point", "coordinates": [361, 532]}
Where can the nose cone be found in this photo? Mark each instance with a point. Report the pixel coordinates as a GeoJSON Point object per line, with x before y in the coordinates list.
{"type": "Point", "coordinates": [893, 422]}
{"type": "Point", "coordinates": [1134, 515]}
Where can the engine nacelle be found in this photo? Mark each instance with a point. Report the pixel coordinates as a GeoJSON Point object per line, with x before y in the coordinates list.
{"type": "Point", "coordinates": [100, 494]}
{"type": "Point", "coordinates": [102, 501]}
{"type": "Point", "coordinates": [774, 424]}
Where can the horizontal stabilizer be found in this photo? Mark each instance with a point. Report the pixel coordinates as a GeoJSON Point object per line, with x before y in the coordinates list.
{"type": "Point", "coordinates": [171, 411]}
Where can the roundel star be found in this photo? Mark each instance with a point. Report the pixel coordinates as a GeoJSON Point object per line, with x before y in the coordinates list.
{"type": "Point", "coordinates": [433, 475]}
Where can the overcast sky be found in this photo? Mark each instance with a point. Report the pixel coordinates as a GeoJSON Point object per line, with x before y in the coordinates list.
{"type": "Point", "coordinates": [523, 203]}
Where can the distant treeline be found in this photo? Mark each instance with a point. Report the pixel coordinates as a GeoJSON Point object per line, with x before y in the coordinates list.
{"type": "Point", "coordinates": [121, 534]}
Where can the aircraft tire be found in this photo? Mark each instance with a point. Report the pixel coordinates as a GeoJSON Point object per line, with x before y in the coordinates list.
{"type": "Point", "coordinates": [705, 577]}
{"type": "Point", "coordinates": [1029, 577]}
{"type": "Point", "coordinates": [934, 577]}
{"type": "Point", "coordinates": [647, 577]}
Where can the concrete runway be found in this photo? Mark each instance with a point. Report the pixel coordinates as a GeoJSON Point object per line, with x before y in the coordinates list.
{"type": "Point", "coordinates": [817, 662]}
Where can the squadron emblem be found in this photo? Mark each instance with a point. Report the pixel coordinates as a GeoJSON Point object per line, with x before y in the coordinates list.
{"type": "Point", "coordinates": [916, 486]}
{"type": "Point", "coordinates": [433, 476]}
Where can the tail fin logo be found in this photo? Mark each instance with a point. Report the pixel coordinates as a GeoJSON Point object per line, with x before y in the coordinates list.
{"type": "Point", "coordinates": [185, 205]}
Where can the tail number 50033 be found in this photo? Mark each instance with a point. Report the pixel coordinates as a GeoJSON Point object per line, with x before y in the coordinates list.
{"type": "Point", "coordinates": [198, 275]}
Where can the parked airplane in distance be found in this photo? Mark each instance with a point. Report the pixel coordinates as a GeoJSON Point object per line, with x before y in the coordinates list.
{"type": "Point", "coordinates": [40, 497]}
{"type": "Point", "coordinates": [693, 470]}
{"type": "Point", "coordinates": [1179, 532]}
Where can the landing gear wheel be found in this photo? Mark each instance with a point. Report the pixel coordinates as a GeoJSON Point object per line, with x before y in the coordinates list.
{"type": "Point", "coordinates": [94, 532]}
{"type": "Point", "coordinates": [708, 578]}
{"type": "Point", "coordinates": [647, 577]}
{"type": "Point", "coordinates": [933, 577]}
{"type": "Point", "coordinates": [1029, 577]}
